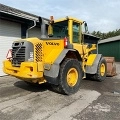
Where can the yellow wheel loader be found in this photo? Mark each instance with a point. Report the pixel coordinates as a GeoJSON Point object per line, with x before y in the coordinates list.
{"type": "Point", "coordinates": [62, 58]}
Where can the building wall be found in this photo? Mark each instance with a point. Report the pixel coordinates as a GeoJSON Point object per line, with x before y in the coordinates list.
{"type": "Point", "coordinates": [34, 32]}
{"type": "Point", "coordinates": [110, 49]}
{"type": "Point", "coordinates": [9, 31]}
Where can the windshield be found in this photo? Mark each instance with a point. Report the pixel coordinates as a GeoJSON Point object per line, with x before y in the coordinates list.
{"type": "Point", "coordinates": [60, 29]}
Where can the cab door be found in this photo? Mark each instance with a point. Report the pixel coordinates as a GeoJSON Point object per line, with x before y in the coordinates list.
{"type": "Point", "coordinates": [77, 38]}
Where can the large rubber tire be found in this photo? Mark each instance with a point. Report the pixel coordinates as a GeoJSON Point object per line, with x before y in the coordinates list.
{"type": "Point", "coordinates": [100, 75]}
{"type": "Point", "coordinates": [69, 67]}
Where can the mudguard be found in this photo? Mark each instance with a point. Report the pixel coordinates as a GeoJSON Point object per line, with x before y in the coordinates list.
{"type": "Point", "coordinates": [92, 69]}
{"type": "Point", "coordinates": [51, 75]}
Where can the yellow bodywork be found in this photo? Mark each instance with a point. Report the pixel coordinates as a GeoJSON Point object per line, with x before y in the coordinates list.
{"type": "Point", "coordinates": [33, 71]}
{"type": "Point", "coordinates": [24, 71]}
{"type": "Point", "coordinates": [51, 52]}
{"type": "Point", "coordinates": [91, 59]}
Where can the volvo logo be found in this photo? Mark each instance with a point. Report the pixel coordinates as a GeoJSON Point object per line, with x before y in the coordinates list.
{"type": "Point", "coordinates": [52, 43]}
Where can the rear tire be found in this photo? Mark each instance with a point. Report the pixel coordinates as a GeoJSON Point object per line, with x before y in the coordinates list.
{"type": "Point", "coordinates": [70, 76]}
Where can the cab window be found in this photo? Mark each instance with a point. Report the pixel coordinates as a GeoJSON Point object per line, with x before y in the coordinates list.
{"type": "Point", "coordinates": [60, 29]}
{"type": "Point", "coordinates": [76, 32]}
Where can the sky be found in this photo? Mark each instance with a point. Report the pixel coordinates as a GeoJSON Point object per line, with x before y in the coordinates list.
{"type": "Point", "coordinates": [100, 15]}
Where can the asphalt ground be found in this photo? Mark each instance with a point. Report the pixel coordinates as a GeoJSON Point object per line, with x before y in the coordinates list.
{"type": "Point", "coordinates": [94, 101]}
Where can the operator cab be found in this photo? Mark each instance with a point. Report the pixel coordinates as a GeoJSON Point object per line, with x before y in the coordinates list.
{"type": "Point", "coordinates": [72, 29]}
{"type": "Point", "coordinates": [67, 27]}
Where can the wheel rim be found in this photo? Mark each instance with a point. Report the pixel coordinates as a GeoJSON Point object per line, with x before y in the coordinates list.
{"type": "Point", "coordinates": [72, 77]}
{"type": "Point", "coordinates": [102, 69]}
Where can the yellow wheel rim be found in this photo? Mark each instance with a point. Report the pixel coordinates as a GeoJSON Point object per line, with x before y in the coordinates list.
{"type": "Point", "coordinates": [102, 69]}
{"type": "Point", "coordinates": [72, 77]}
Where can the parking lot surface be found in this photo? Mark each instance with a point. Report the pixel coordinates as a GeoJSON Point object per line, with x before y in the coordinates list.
{"type": "Point", "coordinates": [94, 101]}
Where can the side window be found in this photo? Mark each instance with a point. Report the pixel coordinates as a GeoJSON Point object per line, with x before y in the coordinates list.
{"type": "Point", "coordinates": [76, 32]}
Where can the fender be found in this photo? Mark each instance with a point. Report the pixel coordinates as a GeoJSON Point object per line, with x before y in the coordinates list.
{"type": "Point", "coordinates": [92, 69]}
{"type": "Point", "coordinates": [51, 75]}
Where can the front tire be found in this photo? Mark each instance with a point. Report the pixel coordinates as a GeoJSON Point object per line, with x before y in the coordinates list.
{"type": "Point", "coordinates": [70, 76]}
{"type": "Point", "coordinates": [101, 70]}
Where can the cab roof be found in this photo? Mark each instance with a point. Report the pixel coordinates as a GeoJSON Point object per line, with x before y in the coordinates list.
{"type": "Point", "coordinates": [69, 18]}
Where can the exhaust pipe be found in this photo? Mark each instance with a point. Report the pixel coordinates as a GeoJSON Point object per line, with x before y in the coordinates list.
{"type": "Point", "coordinates": [43, 28]}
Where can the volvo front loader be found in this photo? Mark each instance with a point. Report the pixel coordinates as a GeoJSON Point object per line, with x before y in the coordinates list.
{"type": "Point", "coordinates": [62, 58]}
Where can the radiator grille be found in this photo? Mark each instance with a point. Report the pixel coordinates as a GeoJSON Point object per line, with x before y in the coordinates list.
{"type": "Point", "coordinates": [38, 52]}
{"type": "Point", "coordinates": [18, 55]}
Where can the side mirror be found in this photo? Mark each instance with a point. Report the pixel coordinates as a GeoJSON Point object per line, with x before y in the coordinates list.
{"type": "Point", "coordinates": [86, 27]}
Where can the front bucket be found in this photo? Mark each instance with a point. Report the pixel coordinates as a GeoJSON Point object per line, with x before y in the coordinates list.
{"type": "Point", "coordinates": [111, 67]}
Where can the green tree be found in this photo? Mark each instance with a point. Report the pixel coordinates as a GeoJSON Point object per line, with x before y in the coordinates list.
{"type": "Point", "coordinates": [106, 35]}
